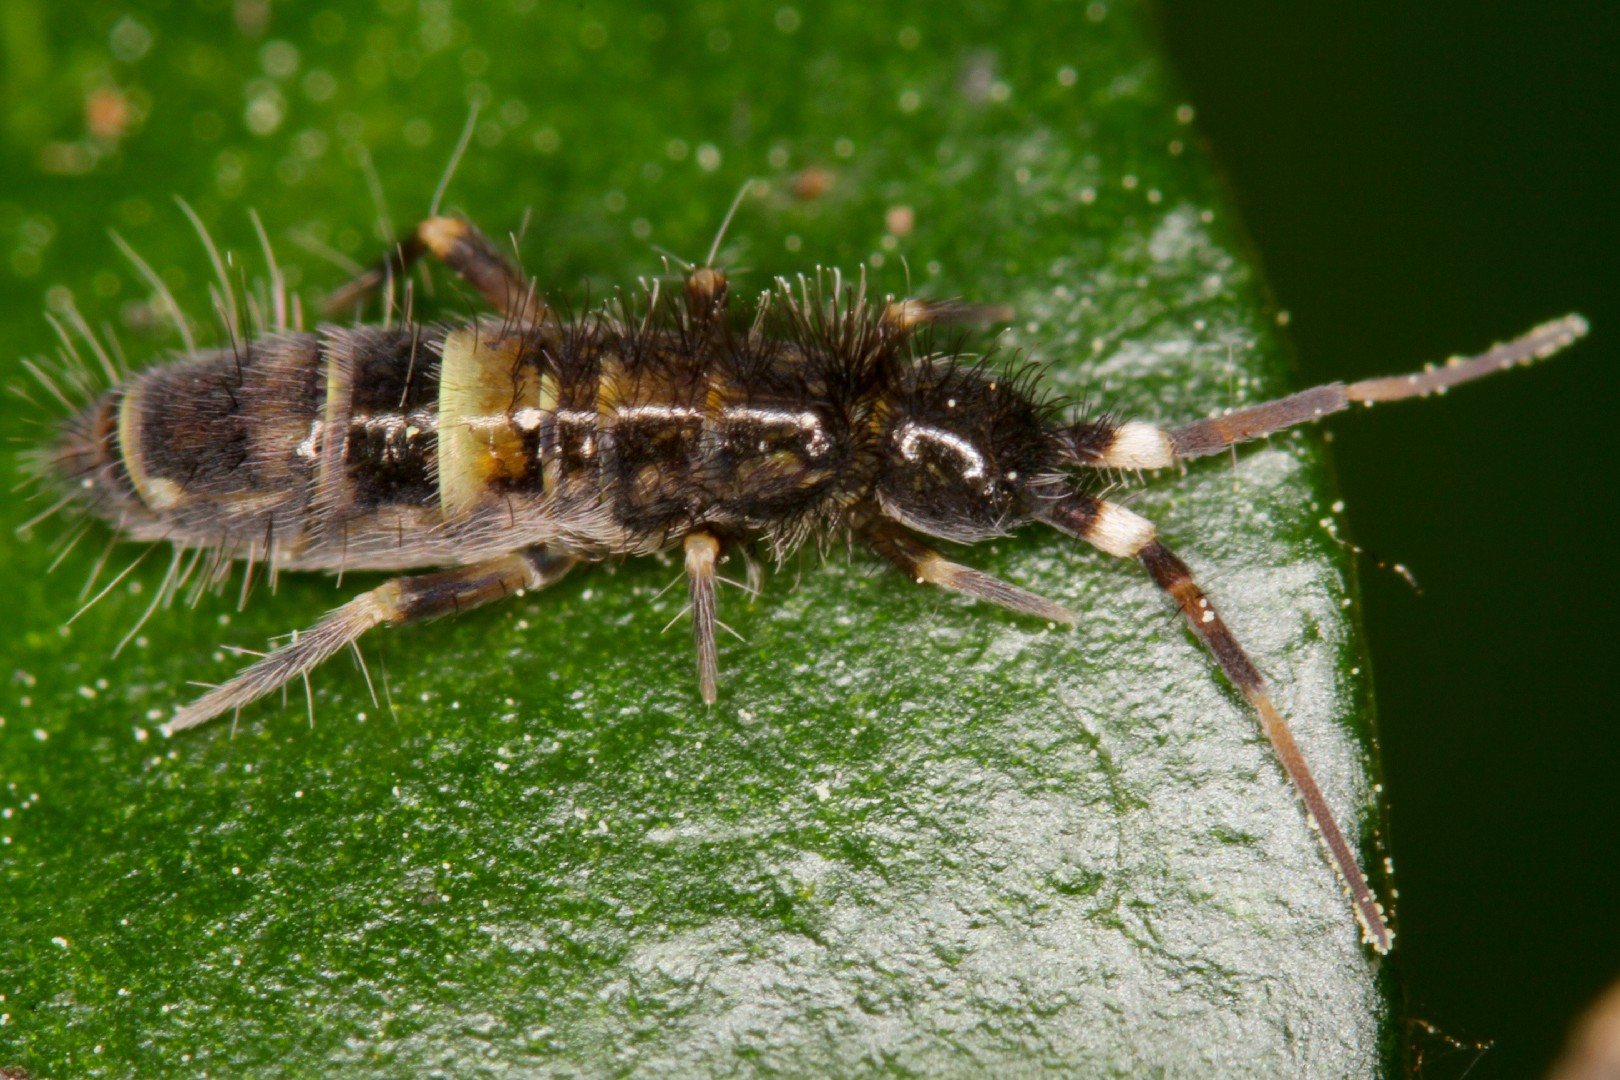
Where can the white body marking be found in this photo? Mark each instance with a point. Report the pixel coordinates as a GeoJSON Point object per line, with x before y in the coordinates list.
{"type": "Point", "coordinates": [912, 434]}
{"type": "Point", "coordinates": [1120, 532]}
{"type": "Point", "coordinates": [1139, 445]}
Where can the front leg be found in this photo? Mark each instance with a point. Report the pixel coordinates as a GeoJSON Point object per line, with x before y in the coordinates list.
{"type": "Point", "coordinates": [926, 566]}
{"type": "Point", "coordinates": [401, 600]}
{"type": "Point", "coordinates": [1126, 535]}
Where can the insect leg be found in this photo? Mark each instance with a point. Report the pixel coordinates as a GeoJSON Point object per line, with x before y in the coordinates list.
{"type": "Point", "coordinates": [1138, 445]}
{"type": "Point", "coordinates": [404, 254]}
{"type": "Point", "coordinates": [459, 244]}
{"type": "Point", "coordinates": [707, 288]}
{"type": "Point", "coordinates": [405, 599]}
{"type": "Point", "coordinates": [707, 291]}
{"type": "Point", "coordinates": [926, 566]}
{"type": "Point", "coordinates": [1121, 533]}
{"type": "Point", "coordinates": [702, 553]}
{"type": "Point", "coordinates": [911, 313]}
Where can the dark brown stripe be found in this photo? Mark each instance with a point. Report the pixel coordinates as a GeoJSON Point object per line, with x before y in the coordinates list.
{"type": "Point", "coordinates": [393, 422]}
{"type": "Point", "coordinates": [1088, 442]}
{"type": "Point", "coordinates": [569, 445]}
{"type": "Point", "coordinates": [193, 432]}
{"type": "Point", "coordinates": [1173, 576]}
{"type": "Point", "coordinates": [1074, 513]}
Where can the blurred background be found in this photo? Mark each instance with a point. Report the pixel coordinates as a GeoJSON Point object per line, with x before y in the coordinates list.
{"type": "Point", "coordinates": [1420, 180]}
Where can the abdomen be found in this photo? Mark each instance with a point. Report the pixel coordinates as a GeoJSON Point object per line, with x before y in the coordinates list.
{"type": "Point", "coordinates": [308, 450]}
{"type": "Point", "coordinates": [411, 446]}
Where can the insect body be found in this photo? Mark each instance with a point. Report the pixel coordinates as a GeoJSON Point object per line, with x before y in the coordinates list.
{"type": "Point", "coordinates": [501, 452]}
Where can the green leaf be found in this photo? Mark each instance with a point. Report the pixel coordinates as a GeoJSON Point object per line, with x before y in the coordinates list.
{"type": "Point", "coordinates": [916, 835]}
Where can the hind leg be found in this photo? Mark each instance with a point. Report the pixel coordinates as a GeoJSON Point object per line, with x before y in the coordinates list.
{"type": "Point", "coordinates": [460, 245]}
{"type": "Point", "coordinates": [402, 600]}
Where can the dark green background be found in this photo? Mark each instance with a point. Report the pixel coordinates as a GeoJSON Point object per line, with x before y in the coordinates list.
{"type": "Point", "coordinates": [1422, 178]}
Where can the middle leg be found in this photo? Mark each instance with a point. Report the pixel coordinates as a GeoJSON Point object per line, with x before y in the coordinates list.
{"type": "Point", "coordinates": [702, 555]}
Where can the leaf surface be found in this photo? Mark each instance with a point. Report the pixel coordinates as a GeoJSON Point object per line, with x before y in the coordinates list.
{"type": "Point", "coordinates": [916, 835]}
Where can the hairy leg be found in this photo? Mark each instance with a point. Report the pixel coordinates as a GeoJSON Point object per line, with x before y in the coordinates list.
{"type": "Point", "coordinates": [926, 566]}
{"type": "Point", "coordinates": [702, 555]}
{"type": "Point", "coordinates": [401, 600]}
{"type": "Point", "coordinates": [1122, 533]}
{"type": "Point", "coordinates": [458, 244]}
